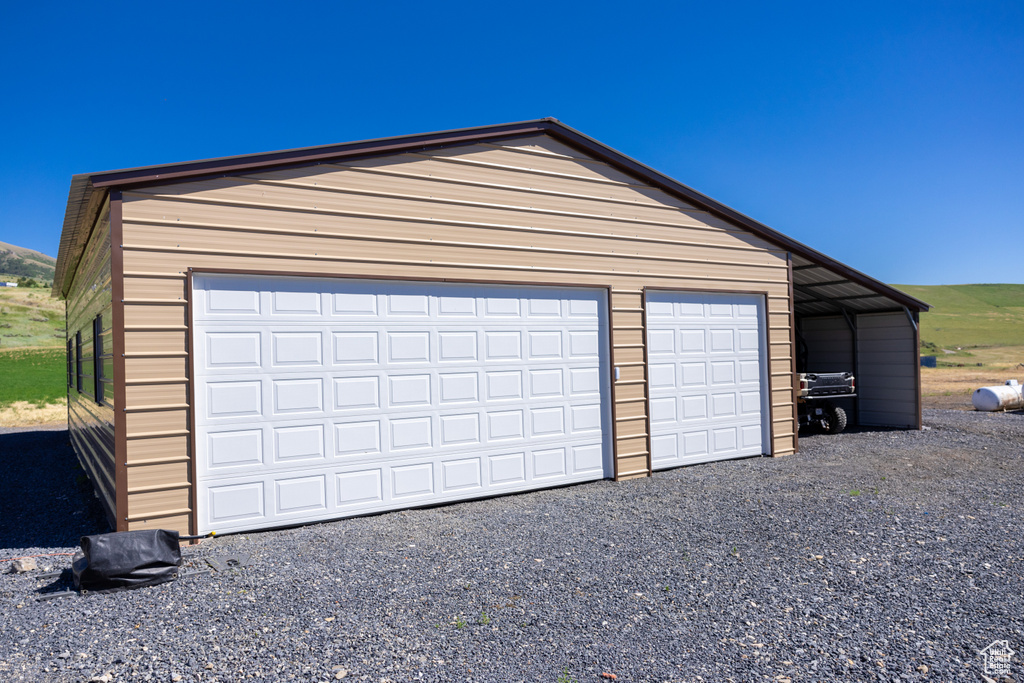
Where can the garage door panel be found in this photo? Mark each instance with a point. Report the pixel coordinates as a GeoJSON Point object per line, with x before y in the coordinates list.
{"type": "Point", "coordinates": [239, 398]}
{"type": "Point", "coordinates": [357, 438]}
{"type": "Point", "coordinates": [290, 349]}
{"type": "Point", "coordinates": [459, 387]}
{"type": "Point", "coordinates": [230, 349]}
{"type": "Point", "coordinates": [586, 419]}
{"type": "Point", "coordinates": [693, 408]}
{"type": "Point", "coordinates": [234, 449]}
{"type": "Point", "coordinates": [362, 487]}
{"type": "Point", "coordinates": [227, 299]}
{"type": "Point", "coordinates": [342, 397]}
{"type": "Point", "coordinates": [303, 443]}
{"type": "Point", "coordinates": [462, 475]}
{"type": "Point", "coordinates": [236, 503]}
{"type": "Point", "coordinates": [301, 494]}
{"type": "Point", "coordinates": [328, 491]}
{"type": "Point", "coordinates": [289, 303]}
{"type": "Point", "coordinates": [707, 376]}
{"type": "Point", "coordinates": [458, 346]}
{"type": "Point", "coordinates": [547, 384]}
{"type": "Point", "coordinates": [355, 393]}
{"type": "Point", "coordinates": [297, 396]}
{"type": "Point", "coordinates": [692, 342]}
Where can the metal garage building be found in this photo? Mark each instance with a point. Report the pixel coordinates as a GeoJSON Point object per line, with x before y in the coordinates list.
{"type": "Point", "coordinates": [286, 337]}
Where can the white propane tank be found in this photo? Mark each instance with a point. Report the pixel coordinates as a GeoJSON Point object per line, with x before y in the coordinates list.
{"type": "Point", "coordinates": [1005, 397]}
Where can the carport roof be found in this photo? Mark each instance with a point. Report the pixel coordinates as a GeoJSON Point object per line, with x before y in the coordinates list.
{"type": "Point", "coordinates": [822, 285]}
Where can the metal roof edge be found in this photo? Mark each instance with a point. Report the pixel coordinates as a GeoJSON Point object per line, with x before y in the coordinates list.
{"type": "Point", "coordinates": [72, 241]}
{"type": "Point", "coordinates": [83, 186]}
{"type": "Point", "coordinates": [686, 192]}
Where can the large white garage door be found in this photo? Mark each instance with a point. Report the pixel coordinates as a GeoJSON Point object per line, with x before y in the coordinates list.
{"type": "Point", "coordinates": [707, 376]}
{"type": "Point", "coordinates": [322, 398]}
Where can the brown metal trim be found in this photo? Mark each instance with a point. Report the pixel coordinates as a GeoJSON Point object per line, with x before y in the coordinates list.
{"type": "Point", "coordinates": [771, 384]}
{"type": "Point", "coordinates": [792, 358]}
{"type": "Point", "coordinates": [193, 494]}
{"type": "Point", "coordinates": [647, 382]}
{"type": "Point", "coordinates": [394, 145]}
{"type": "Point", "coordinates": [310, 155]}
{"type": "Point", "coordinates": [611, 384]}
{"type": "Point", "coordinates": [120, 388]}
{"type": "Point", "coordinates": [711, 291]}
{"type": "Point", "coordinates": [399, 278]}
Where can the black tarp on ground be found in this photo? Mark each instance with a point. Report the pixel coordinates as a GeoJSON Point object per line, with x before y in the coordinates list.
{"type": "Point", "coordinates": [126, 559]}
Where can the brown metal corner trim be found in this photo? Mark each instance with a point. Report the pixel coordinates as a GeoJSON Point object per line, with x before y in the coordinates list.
{"type": "Point", "coordinates": [120, 386]}
{"type": "Point", "coordinates": [611, 383]}
{"type": "Point", "coordinates": [647, 381]}
{"type": "Point", "coordinates": [193, 469]}
{"type": "Point", "coordinates": [792, 354]}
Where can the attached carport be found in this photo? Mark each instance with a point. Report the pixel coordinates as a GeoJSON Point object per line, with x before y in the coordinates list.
{"type": "Point", "coordinates": [847, 322]}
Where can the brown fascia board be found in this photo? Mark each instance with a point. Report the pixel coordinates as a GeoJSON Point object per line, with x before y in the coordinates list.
{"type": "Point", "coordinates": [151, 175]}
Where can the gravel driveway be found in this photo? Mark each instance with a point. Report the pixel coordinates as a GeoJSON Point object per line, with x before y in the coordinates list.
{"type": "Point", "coordinates": [871, 555]}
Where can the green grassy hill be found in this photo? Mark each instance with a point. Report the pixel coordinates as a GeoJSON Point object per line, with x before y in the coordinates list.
{"type": "Point", "coordinates": [18, 262]}
{"type": "Point", "coordinates": [30, 317]}
{"type": "Point", "coordinates": [970, 315]}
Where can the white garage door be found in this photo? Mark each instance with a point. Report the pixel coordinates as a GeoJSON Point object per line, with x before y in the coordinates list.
{"type": "Point", "coordinates": [707, 376]}
{"type": "Point", "coordinates": [322, 398]}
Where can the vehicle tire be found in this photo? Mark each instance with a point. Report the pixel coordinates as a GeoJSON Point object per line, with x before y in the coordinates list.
{"type": "Point", "coordinates": [834, 420]}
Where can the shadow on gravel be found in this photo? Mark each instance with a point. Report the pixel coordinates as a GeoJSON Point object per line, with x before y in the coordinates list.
{"type": "Point", "coordinates": [47, 500]}
{"type": "Point", "coordinates": [852, 429]}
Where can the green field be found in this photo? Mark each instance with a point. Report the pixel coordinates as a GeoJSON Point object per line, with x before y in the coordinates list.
{"type": "Point", "coordinates": [30, 318]}
{"type": "Point", "coordinates": [970, 316]}
{"type": "Point", "coordinates": [34, 375]}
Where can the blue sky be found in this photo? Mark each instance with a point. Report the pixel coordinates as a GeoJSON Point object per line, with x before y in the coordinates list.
{"type": "Point", "coordinates": [887, 135]}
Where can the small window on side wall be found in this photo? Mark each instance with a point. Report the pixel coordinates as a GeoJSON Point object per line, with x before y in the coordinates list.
{"type": "Point", "coordinates": [78, 361]}
{"type": "Point", "coordinates": [97, 358]}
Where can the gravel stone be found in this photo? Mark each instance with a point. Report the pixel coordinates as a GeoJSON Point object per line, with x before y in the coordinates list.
{"type": "Point", "coordinates": [24, 564]}
{"type": "Point", "coordinates": [871, 555]}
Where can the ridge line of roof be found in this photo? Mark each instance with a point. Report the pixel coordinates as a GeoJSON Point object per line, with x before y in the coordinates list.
{"type": "Point", "coordinates": [85, 184]}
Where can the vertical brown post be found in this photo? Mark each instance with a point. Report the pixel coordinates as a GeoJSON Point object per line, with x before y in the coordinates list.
{"type": "Point", "coordinates": [120, 388]}
{"type": "Point", "coordinates": [792, 353]}
{"type": "Point", "coordinates": [647, 381]}
{"type": "Point", "coordinates": [193, 496]}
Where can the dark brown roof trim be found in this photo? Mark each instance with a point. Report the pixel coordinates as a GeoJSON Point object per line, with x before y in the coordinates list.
{"type": "Point", "coordinates": [307, 155]}
{"type": "Point", "coordinates": [395, 145]}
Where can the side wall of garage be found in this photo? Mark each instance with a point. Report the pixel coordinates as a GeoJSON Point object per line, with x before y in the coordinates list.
{"type": "Point", "coordinates": [528, 211]}
{"type": "Point", "coordinates": [889, 380]}
{"type": "Point", "coordinates": [90, 364]}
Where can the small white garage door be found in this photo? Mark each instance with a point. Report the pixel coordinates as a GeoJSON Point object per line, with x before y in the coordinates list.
{"type": "Point", "coordinates": [707, 374]}
{"type": "Point", "coordinates": [322, 398]}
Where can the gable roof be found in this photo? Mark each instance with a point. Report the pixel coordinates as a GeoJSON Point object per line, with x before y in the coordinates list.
{"type": "Point", "coordinates": [822, 285]}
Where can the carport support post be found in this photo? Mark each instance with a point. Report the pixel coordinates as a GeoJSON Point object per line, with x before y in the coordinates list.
{"type": "Point", "coordinates": [851, 322]}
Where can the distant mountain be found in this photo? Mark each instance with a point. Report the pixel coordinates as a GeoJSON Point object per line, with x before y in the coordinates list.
{"type": "Point", "coordinates": [22, 262]}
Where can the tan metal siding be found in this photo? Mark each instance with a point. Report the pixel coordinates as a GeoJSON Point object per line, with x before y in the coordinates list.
{"type": "Point", "coordinates": [91, 423]}
{"type": "Point", "coordinates": [887, 367]}
{"type": "Point", "coordinates": [530, 211]}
